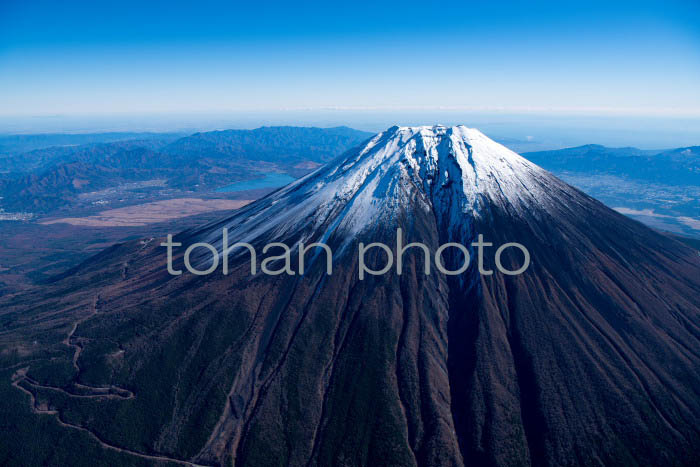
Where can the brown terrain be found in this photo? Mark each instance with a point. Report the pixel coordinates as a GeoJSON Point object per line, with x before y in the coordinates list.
{"type": "Point", "coordinates": [151, 213]}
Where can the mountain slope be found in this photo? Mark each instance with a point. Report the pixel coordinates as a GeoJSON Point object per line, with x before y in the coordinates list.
{"type": "Point", "coordinates": [588, 357]}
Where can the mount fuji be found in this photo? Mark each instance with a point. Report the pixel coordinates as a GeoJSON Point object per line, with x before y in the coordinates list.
{"type": "Point", "coordinates": [590, 357]}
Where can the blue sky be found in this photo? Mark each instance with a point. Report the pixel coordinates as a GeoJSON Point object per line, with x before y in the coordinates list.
{"type": "Point", "coordinates": [76, 58]}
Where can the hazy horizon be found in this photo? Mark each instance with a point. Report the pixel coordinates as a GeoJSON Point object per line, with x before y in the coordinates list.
{"type": "Point", "coordinates": [548, 130]}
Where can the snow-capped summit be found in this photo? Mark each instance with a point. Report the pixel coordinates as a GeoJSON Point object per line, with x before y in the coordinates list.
{"type": "Point", "coordinates": [458, 172]}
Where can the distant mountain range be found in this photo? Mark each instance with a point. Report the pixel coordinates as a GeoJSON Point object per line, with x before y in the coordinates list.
{"type": "Point", "coordinates": [659, 188]}
{"type": "Point", "coordinates": [674, 167]}
{"type": "Point", "coordinates": [17, 144]}
{"type": "Point", "coordinates": [47, 179]}
{"type": "Point", "coordinates": [287, 145]}
{"type": "Point", "coordinates": [589, 357]}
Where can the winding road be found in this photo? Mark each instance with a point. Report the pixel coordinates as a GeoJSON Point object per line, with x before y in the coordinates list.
{"type": "Point", "coordinates": [92, 392]}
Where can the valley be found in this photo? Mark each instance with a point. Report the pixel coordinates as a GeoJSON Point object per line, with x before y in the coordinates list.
{"type": "Point", "coordinates": [61, 204]}
{"type": "Point", "coordinates": [660, 188]}
{"type": "Point", "coordinates": [150, 213]}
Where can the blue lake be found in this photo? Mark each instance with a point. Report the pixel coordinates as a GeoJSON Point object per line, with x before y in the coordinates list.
{"type": "Point", "coordinates": [271, 180]}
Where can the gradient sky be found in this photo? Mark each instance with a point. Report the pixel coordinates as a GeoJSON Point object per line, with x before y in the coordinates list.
{"type": "Point", "coordinates": [628, 57]}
